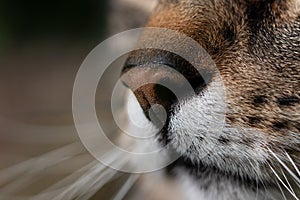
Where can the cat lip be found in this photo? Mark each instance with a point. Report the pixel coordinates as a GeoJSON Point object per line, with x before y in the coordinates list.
{"type": "Point", "coordinates": [164, 134]}
{"type": "Point", "coordinates": [201, 170]}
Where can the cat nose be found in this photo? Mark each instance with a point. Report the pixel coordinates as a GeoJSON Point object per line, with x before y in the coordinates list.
{"type": "Point", "coordinates": [160, 77]}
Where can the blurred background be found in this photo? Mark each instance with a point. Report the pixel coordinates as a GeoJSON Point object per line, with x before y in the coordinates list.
{"type": "Point", "coordinates": [42, 45]}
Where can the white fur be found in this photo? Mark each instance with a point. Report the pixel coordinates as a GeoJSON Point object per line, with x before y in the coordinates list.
{"type": "Point", "coordinates": [204, 116]}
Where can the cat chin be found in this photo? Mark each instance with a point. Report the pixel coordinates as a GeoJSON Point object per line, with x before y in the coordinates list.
{"type": "Point", "coordinates": [200, 181]}
{"type": "Point", "coordinates": [211, 185]}
{"type": "Point", "coordinates": [201, 170]}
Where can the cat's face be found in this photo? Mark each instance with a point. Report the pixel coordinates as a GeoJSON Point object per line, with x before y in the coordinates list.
{"type": "Point", "coordinates": [255, 46]}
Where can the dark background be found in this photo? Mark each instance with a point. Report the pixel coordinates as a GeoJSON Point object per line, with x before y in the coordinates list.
{"type": "Point", "coordinates": [42, 44]}
{"type": "Point", "coordinates": [22, 22]}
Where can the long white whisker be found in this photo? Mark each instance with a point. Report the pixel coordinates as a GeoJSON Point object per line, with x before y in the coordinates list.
{"type": "Point", "coordinates": [281, 190]}
{"type": "Point", "coordinates": [277, 176]}
{"type": "Point", "coordinates": [106, 176]}
{"type": "Point", "coordinates": [126, 187]}
{"type": "Point", "coordinates": [256, 195]}
{"type": "Point", "coordinates": [59, 187]}
{"type": "Point", "coordinates": [21, 173]}
{"type": "Point", "coordinates": [91, 184]}
{"type": "Point", "coordinates": [286, 167]}
{"type": "Point", "coordinates": [287, 181]}
{"type": "Point", "coordinates": [293, 163]}
{"type": "Point", "coordinates": [92, 180]}
{"type": "Point", "coordinates": [298, 185]}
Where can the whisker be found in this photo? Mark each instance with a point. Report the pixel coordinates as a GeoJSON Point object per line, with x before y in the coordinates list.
{"type": "Point", "coordinates": [126, 187]}
{"type": "Point", "coordinates": [22, 172]}
{"type": "Point", "coordinates": [293, 163]}
{"type": "Point", "coordinates": [256, 195]}
{"type": "Point", "coordinates": [285, 166]}
{"type": "Point", "coordinates": [298, 185]}
{"type": "Point", "coordinates": [281, 190]}
{"type": "Point", "coordinates": [81, 184]}
{"type": "Point", "coordinates": [89, 182]}
{"type": "Point", "coordinates": [282, 172]}
{"type": "Point", "coordinates": [62, 185]}
{"type": "Point", "coordinates": [277, 176]}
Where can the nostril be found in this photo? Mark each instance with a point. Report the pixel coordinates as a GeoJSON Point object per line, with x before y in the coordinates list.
{"type": "Point", "coordinates": [198, 83]}
{"type": "Point", "coordinates": [152, 95]}
{"type": "Point", "coordinates": [165, 95]}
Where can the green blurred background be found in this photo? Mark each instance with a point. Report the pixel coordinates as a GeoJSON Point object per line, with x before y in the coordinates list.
{"type": "Point", "coordinates": [23, 22]}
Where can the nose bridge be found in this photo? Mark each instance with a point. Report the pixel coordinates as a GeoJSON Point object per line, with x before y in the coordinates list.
{"type": "Point", "coordinates": [151, 57]}
{"type": "Point", "coordinates": [175, 18]}
{"type": "Point", "coordinates": [150, 73]}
